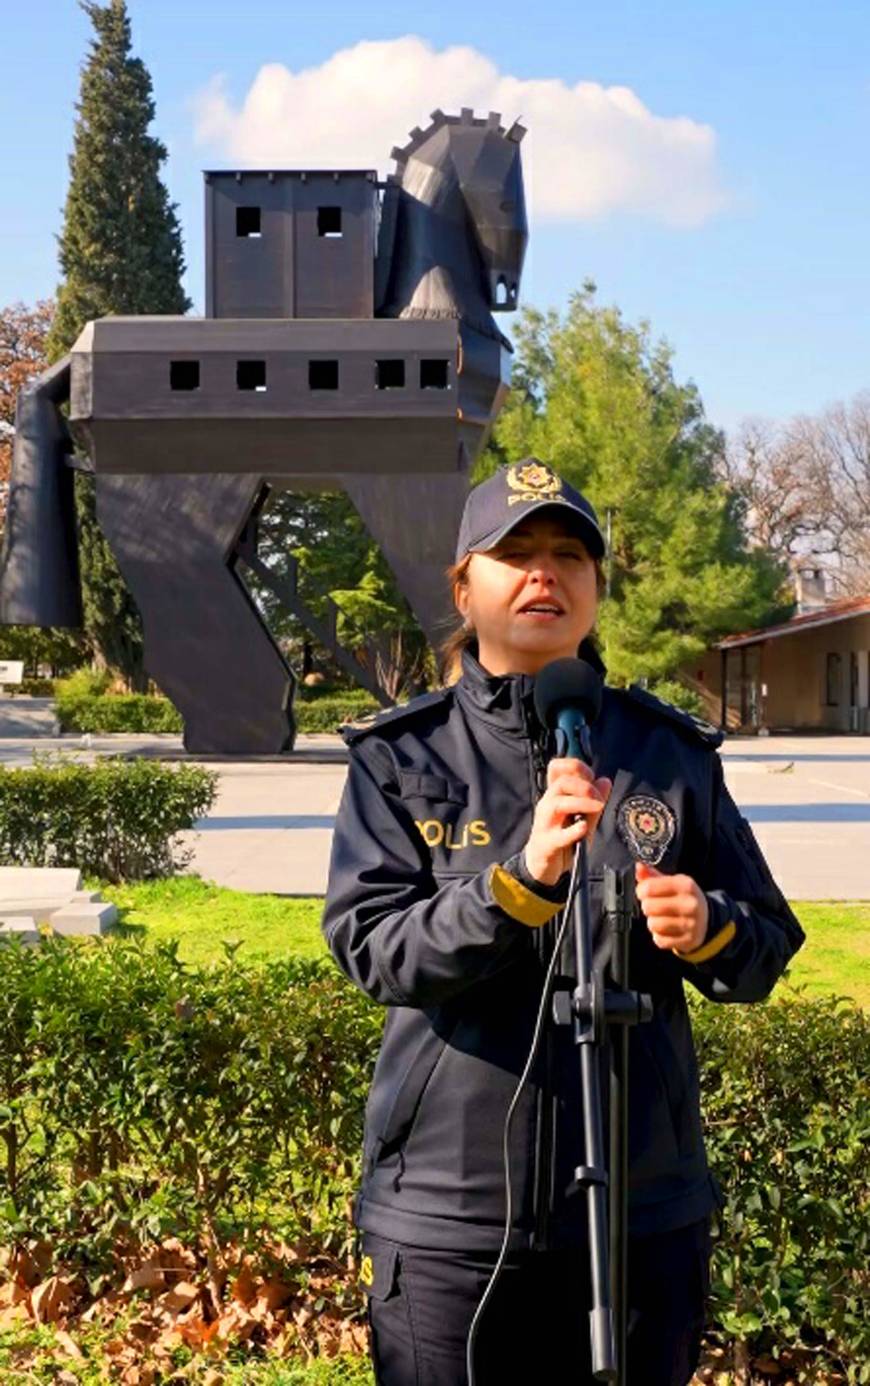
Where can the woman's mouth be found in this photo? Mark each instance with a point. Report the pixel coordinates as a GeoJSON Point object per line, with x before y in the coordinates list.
{"type": "Point", "coordinates": [541, 611]}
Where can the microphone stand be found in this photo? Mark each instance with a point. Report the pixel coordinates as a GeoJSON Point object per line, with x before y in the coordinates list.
{"type": "Point", "coordinates": [598, 1013]}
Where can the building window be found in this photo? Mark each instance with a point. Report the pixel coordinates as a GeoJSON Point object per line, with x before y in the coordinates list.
{"type": "Point", "coordinates": [434, 375]}
{"type": "Point", "coordinates": [323, 375]}
{"type": "Point", "coordinates": [248, 222]}
{"type": "Point", "coordinates": [390, 375]}
{"type": "Point", "coordinates": [329, 222]}
{"type": "Point", "coordinates": [251, 375]}
{"type": "Point", "coordinates": [832, 680]}
{"type": "Point", "coordinates": [184, 375]}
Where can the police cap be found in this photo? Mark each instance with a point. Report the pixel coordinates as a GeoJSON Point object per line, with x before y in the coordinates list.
{"type": "Point", "coordinates": [504, 500]}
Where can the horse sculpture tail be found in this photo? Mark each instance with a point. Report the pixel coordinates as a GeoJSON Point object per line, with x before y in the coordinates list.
{"type": "Point", "coordinates": [39, 571]}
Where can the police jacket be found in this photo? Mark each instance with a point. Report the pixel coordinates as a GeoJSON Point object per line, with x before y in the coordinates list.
{"type": "Point", "coordinates": [431, 912]}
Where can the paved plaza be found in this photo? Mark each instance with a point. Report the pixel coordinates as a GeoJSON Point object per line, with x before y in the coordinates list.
{"type": "Point", "coordinates": [807, 797]}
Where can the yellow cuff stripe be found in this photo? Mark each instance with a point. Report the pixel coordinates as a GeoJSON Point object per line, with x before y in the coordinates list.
{"type": "Point", "coordinates": [713, 946]}
{"type": "Point", "coordinates": [518, 901]}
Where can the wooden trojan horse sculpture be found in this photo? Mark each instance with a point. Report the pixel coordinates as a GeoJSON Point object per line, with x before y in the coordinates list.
{"type": "Point", "coordinates": [348, 343]}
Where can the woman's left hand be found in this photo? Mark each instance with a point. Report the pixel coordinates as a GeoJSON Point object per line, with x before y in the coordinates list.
{"type": "Point", "coordinates": [676, 908]}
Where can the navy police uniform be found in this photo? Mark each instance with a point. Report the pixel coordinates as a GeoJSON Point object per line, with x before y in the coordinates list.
{"type": "Point", "coordinates": [431, 912]}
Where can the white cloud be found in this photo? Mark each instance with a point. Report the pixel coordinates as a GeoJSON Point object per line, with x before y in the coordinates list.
{"type": "Point", "coordinates": [590, 150]}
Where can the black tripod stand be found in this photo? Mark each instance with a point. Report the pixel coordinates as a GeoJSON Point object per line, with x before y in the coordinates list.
{"type": "Point", "coordinates": [600, 1012]}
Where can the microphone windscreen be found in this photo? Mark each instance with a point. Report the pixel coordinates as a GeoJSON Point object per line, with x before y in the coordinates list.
{"type": "Point", "coordinates": [567, 683]}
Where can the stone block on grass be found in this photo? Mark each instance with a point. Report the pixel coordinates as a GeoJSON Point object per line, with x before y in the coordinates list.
{"type": "Point", "coordinates": [20, 882]}
{"type": "Point", "coordinates": [20, 927]}
{"type": "Point", "coordinates": [84, 919]}
{"type": "Point", "coordinates": [43, 908]}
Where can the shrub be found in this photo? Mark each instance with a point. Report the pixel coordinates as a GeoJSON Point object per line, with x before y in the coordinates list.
{"type": "Point", "coordinates": [83, 683]}
{"type": "Point", "coordinates": [312, 693]}
{"type": "Point", "coordinates": [85, 711]}
{"type": "Point", "coordinates": [786, 1094]}
{"type": "Point", "coordinates": [327, 714]}
{"type": "Point", "coordinates": [114, 819]}
{"type": "Point", "coordinates": [141, 1099]}
{"type": "Point", "coordinates": [33, 688]}
{"type": "Point", "coordinates": [117, 712]}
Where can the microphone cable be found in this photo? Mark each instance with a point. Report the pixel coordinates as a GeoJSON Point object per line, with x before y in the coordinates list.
{"type": "Point", "coordinates": [523, 1079]}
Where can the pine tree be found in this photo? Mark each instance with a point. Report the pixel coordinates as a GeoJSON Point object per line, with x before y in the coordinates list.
{"type": "Point", "coordinates": [120, 252]}
{"type": "Point", "coordinates": [596, 397]}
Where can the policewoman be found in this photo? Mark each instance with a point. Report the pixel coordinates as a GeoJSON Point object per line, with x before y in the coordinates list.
{"type": "Point", "coordinates": [450, 860]}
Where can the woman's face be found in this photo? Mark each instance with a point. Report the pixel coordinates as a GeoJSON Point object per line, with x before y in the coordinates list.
{"type": "Point", "coordinates": [531, 599]}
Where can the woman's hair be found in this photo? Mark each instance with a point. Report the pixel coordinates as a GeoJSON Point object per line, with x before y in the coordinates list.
{"type": "Point", "coordinates": [463, 636]}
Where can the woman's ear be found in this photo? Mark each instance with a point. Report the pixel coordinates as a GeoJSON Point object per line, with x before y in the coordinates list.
{"type": "Point", "coordinates": [462, 599]}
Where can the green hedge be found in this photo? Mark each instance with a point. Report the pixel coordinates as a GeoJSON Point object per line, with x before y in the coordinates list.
{"type": "Point", "coordinates": [328, 713]}
{"type": "Point", "coordinates": [143, 712]}
{"type": "Point", "coordinates": [786, 1091]}
{"type": "Point", "coordinates": [141, 1098]}
{"type": "Point", "coordinates": [118, 712]}
{"type": "Point", "coordinates": [115, 819]}
{"type": "Point", "coordinates": [32, 688]}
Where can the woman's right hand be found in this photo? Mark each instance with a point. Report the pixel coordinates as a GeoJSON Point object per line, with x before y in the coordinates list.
{"type": "Point", "coordinates": [571, 791]}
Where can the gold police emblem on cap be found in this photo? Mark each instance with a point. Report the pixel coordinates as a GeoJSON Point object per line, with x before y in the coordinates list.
{"type": "Point", "coordinates": [646, 826]}
{"type": "Point", "coordinates": [532, 482]}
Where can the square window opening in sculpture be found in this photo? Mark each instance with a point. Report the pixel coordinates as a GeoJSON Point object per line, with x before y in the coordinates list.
{"type": "Point", "coordinates": [184, 375]}
{"type": "Point", "coordinates": [248, 223]}
{"type": "Point", "coordinates": [390, 374]}
{"type": "Point", "coordinates": [329, 222]}
{"type": "Point", "coordinates": [323, 375]}
{"type": "Point", "coordinates": [251, 375]}
{"type": "Point", "coordinates": [434, 375]}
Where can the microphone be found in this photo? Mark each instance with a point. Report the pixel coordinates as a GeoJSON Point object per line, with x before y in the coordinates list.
{"type": "Point", "coordinates": [568, 701]}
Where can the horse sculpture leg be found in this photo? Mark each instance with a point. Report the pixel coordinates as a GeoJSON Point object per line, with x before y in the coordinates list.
{"type": "Point", "coordinates": [414, 518]}
{"type": "Point", "coordinates": [205, 643]}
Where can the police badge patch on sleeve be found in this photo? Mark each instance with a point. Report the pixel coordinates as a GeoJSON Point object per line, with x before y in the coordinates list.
{"type": "Point", "coordinates": [646, 826]}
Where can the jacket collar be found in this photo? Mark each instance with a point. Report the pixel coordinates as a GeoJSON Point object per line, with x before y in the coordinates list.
{"type": "Point", "coordinates": [507, 699]}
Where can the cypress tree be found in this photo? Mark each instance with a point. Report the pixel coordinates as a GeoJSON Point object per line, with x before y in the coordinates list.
{"type": "Point", "coordinates": [120, 252]}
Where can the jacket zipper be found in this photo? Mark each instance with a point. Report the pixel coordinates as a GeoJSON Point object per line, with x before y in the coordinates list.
{"type": "Point", "coordinates": [544, 1134]}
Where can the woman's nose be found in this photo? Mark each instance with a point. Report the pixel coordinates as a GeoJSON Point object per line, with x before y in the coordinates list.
{"type": "Point", "coordinates": [541, 567]}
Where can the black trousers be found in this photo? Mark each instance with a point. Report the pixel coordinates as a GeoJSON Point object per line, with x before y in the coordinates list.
{"type": "Point", "coordinates": [535, 1326]}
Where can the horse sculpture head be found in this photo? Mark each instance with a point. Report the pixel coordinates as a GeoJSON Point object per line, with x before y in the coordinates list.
{"type": "Point", "coordinates": [454, 228]}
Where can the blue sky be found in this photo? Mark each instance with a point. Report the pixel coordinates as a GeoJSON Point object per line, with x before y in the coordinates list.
{"type": "Point", "coordinates": [761, 284]}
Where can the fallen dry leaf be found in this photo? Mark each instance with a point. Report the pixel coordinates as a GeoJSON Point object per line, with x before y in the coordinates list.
{"type": "Point", "coordinates": [245, 1286]}
{"type": "Point", "coordinates": [768, 1364]}
{"type": "Point", "coordinates": [13, 1292]}
{"type": "Point", "coordinates": [148, 1276]}
{"type": "Point", "coordinates": [29, 1264]}
{"type": "Point", "coordinates": [275, 1293]}
{"type": "Point", "coordinates": [69, 1344]}
{"type": "Point", "coordinates": [180, 1297]}
{"type": "Point", "coordinates": [196, 1332]}
{"type": "Point", "coordinates": [13, 1315]}
{"type": "Point", "coordinates": [50, 1299]}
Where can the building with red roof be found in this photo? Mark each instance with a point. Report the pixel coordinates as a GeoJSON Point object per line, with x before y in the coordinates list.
{"type": "Point", "coordinates": [810, 673]}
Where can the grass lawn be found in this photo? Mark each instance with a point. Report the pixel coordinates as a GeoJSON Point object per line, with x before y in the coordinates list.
{"type": "Point", "coordinates": [203, 916]}
{"type": "Point", "coordinates": [835, 957]}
